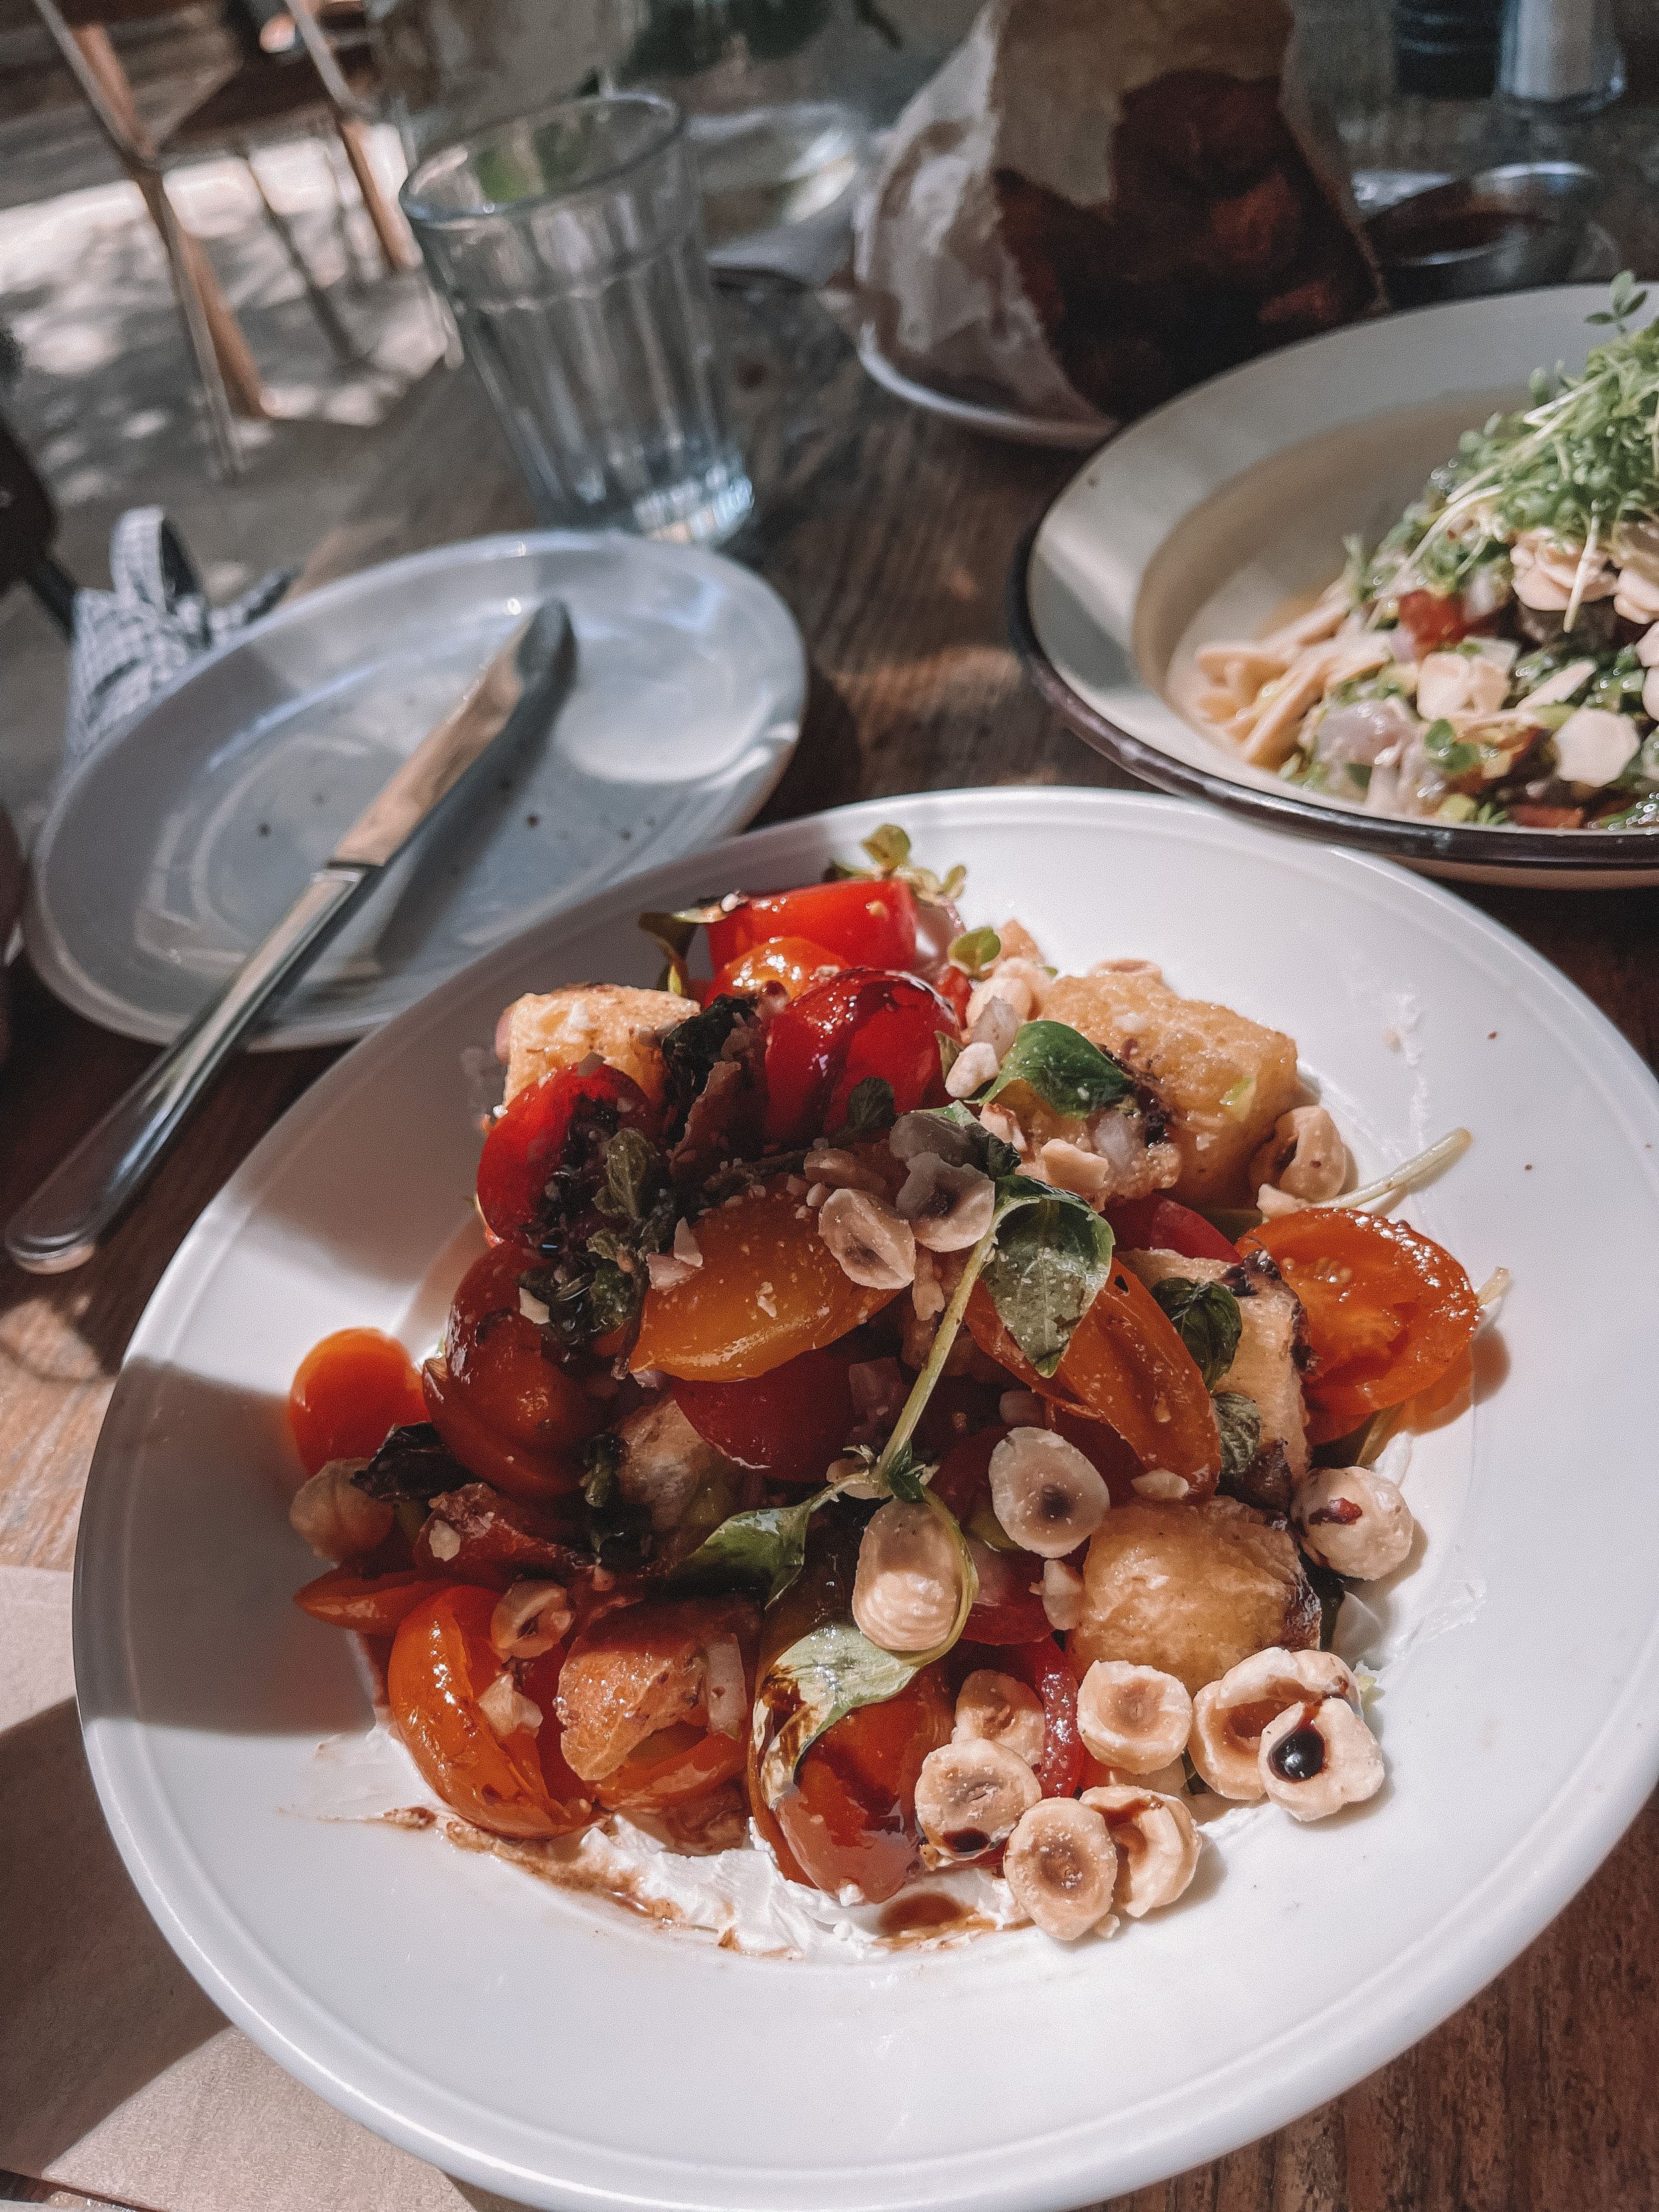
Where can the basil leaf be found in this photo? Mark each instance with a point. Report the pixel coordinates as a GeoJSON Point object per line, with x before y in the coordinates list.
{"type": "Point", "coordinates": [763, 1550]}
{"type": "Point", "coordinates": [975, 950]}
{"type": "Point", "coordinates": [1067, 1073]}
{"type": "Point", "coordinates": [1051, 1256]}
{"type": "Point", "coordinates": [1240, 1424]}
{"type": "Point", "coordinates": [828, 1673]}
{"type": "Point", "coordinates": [965, 1142]}
{"type": "Point", "coordinates": [1207, 1316]}
{"type": "Point", "coordinates": [888, 847]}
{"type": "Point", "coordinates": [633, 1176]}
{"type": "Point", "coordinates": [870, 1109]}
{"type": "Point", "coordinates": [692, 1047]}
{"type": "Point", "coordinates": [413, 1463]}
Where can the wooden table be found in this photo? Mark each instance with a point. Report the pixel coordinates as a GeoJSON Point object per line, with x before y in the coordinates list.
{"type": "Point", "coordinates": [890, 535]}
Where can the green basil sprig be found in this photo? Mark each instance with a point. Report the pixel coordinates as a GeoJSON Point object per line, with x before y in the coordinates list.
{"type": "Point", "coordinates": [763, 1550]}
{"type": "Point", "coordinates": [1068, 1074]}
{"type": "Point", "coordinates": [828, 1673]}
{"type": "Point", "coordinates": [1207, 1318]}
{"type": "Point", "coordinates": [1239, 1419]}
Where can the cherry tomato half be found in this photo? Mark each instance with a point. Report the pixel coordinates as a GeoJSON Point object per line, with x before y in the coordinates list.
{"type": "Point", "coordinates": [534, 1138]}
{"type": "Point", "coordinates": [673, 1767]}
{"type": "Point", "coordinates": [1126, 1364]}
{"type": "Point", "coordinates": [851, 1814]}
{"type": "Point", "coordinates": [1042, 1667]}
{"type": "Point", "coordinates": [349, 1390]}
{"type": "Point", "coordinates": [373, 1605]}
{"type": "Point", "coordinates": [792, 1421]}
{"type": "Point", "coordinates": [858, 1024]}
{"type": "Point", "coordinates": [1161, 1225]}
{"type": "Point", "coordinates": [442, 1664]}
{"type": "Point", "coordinates": [873, 925]}
{"type": "Point", "coordinates": [794, 962]}
{"type": "Point", "coordinates": [1389, 1310]}
{"type": "Point", "coordinates": [507, 1409]}
{"type": "Point", "coordinates": [713, 1328]}
{"type": "Point", "coordinates": [1434, 619]}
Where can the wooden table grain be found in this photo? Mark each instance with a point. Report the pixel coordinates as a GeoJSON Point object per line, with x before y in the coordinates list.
{"type": "Point", "coordinates": [889, 534]}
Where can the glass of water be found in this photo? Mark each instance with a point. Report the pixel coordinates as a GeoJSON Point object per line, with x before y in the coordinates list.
{"type": "Point", "coordinates": [568, 245]}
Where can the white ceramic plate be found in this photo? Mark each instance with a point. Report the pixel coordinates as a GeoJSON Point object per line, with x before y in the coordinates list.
{"type": "Point", "coordinates": [1005, 423]}
{"type": "Point", "coordinates": [565, 2054]}
{"type": "Point", "coordinates": [1199, 520]}
{"type": "Point", "coordinates": [170, 852]}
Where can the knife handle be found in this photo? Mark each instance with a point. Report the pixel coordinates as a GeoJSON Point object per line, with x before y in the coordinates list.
{"type": "Point", "coordinates": [60, 1227]}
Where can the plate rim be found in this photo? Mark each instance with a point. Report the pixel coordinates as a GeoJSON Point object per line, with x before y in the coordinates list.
{"type": "Point", "coordinates": [1499, 848]}
{"type": "Point", "coordinates": [69, 981]}
{"type": "Point", "coordinates": [1570, 1851]}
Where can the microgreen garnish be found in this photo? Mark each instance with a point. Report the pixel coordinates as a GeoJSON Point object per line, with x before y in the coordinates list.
{"type": "Point", "coordinates": [1451, 754]}
{"type": "Point", "coordinates": [974, 952]}
{"type": "Point", "coordinates": [888, 850]}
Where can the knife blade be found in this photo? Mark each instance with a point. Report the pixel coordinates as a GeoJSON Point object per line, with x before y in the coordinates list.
{"type": "Point", "coordinates": [521, 682]}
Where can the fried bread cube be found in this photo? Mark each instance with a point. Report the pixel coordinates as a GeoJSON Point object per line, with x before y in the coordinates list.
{"type": "Point", "coordinates": [1224, 1080]}
{"type": "Point", "coordinates": [1191, 1589]}
{"type": "Point", "coordinates": [547, 1030]}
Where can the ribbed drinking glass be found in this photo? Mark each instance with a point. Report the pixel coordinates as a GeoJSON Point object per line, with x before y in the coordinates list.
{"type": "Point", "coordinates": [567, 244]}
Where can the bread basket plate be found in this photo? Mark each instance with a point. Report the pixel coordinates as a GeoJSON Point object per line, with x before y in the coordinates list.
{"type": "Point", "coordinates": [1006, 423]}
{"type": "Point", "coordinates": [1202, 520]}
{"type": "Point", "coordinates": [556, 2049]}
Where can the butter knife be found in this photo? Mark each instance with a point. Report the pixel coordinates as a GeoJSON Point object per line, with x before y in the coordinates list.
{"type": "Point", "coordinates": [60, 1226]}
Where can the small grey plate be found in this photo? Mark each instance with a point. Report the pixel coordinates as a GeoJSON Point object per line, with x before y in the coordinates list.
{"type": "Point", "coordinates": [168, 854]}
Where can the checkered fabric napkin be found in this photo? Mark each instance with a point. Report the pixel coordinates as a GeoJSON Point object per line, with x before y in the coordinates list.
{"type": "Point", "coordinates": [132, 640]}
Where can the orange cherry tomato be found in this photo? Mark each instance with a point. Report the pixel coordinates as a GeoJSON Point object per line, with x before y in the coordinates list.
{"type": "Point", "coordinates": [1389, 1310]}
{"type": "Point", "coordinates": [1126, 1364]}
{"type": "Point", "coordinates": [794, 962]}
{"type": "Point", "coordinates": [861, 923]}
{"type": "Point", "coordinates": [713, 1327]}
{"type": "Point", "coordinates": [535, 1478]}
{"type": "Point", "coordinates": [373, 1605]}
{"type": "Point", "coordinates": [349, 1390]}
{"type": "Point", "coordinates": [672, 1768]}
{"type": "Point", "coordinates": [442, 1664]}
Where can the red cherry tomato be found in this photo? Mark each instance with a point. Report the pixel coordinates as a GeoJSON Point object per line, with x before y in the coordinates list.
{"type": "Point", "coordinates": [794, 962]}
{"type": "Point", "coordinates": [1434, 619]}
{"type": "Point", "coordinates": [1160, 1224]}
{"type": "Point", "coordinates": [1044, 1667]}
{"type": "Point", "coordinates": [373, 1605]}
{"type": "Point", "coordinates": [536, 1134]}
{"type": "Point", "coordinates": [851, 1815]}
{"type": "Point", "coordinates": [792, 1421]}
{"type": "Point", "coordinates": [871, 925]}
{"type": "Point", "coordinates": [349, 1390]}
{"type": "Point", "coordinates": [1389, 1310]}
{"type": "Point", "coordinates": [956, 989]}
{"type": "Point", "coordinates": [507, 1409]}
{"type": "Point", "coordinates": [860, 1024]}
{"type": "Point", "coordinates": [442, 1664]}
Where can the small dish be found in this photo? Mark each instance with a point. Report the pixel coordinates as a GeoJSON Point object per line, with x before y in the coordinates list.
{"type": "Point", "coordinates": [1203, 519]}
{"type": "Point", "coordinates": [173, 849]}
{"type": "Point", "coordinates": [1500, 230]}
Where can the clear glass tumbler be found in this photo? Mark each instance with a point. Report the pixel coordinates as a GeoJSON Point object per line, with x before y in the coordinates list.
{"type": "Point", "coordinates": [568, 243]}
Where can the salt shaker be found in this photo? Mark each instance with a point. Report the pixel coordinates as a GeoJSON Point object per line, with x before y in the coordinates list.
{"type": "Point", "coordinates": [1560, 56]}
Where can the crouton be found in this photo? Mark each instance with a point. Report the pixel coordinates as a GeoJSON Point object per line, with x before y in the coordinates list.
{"type": "Point", "coordinates": [1224, 1080]}
{"type": "Point", "coordinates": [1191, 1589]}
{"type": "Point", "coordinates": [547, 1030]}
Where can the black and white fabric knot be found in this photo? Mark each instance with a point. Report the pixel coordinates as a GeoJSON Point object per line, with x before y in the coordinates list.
{"type": "Point", "coordinates": [132, 640]}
